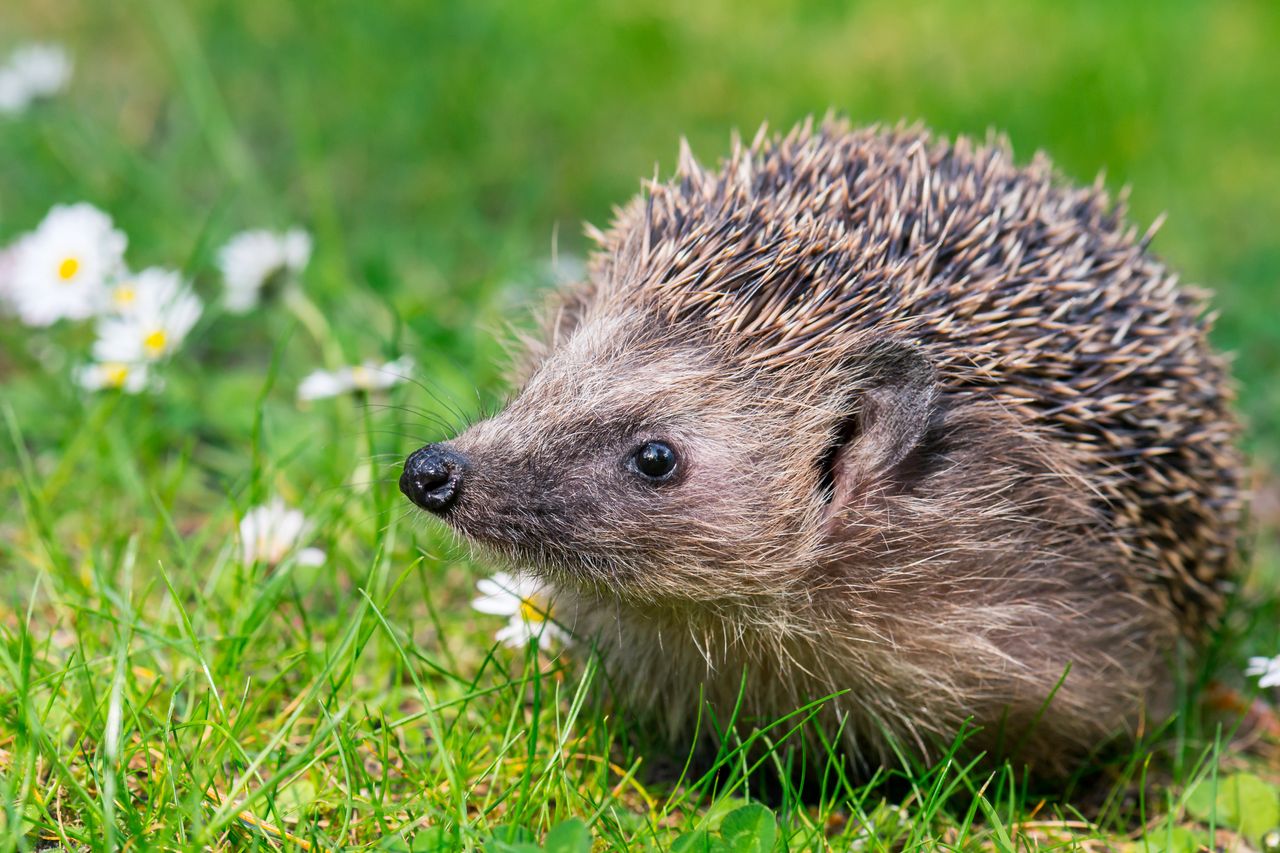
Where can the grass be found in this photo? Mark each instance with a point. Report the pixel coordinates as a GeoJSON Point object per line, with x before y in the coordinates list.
{"type": "Point", "coordinates": [155, 691]}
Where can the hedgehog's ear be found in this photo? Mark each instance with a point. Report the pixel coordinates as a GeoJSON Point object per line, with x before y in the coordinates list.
{"type": "Point", "coordinates": [884, 421]}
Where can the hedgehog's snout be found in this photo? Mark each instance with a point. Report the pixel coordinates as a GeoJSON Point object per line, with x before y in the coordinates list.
{"type": "Point", "coordinates": [432, 477]}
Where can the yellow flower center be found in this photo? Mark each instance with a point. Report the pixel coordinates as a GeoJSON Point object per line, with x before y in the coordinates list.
{"type": "Point", "coordinates": [124, 295]}
{"type": "Point", "coordinates": [154, 342]}
{"type": "Point", "coordinates": [361, 378]}
{"type": "Point", "coordinates": [68, 268]}
{"type": "Point", "coordinates": [114, 375]}
{"type": "Point", "coordinates": [532, 611]}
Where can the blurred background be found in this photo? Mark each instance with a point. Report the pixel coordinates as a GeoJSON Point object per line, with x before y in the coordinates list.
{"type": "Point", "coordinates": [442, 155]}
{"type": "Point", "coordinates": [439, 151]}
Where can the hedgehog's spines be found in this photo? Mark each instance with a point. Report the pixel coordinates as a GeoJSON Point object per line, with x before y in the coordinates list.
{"type": "Point", "coordinates": [1029, 292]}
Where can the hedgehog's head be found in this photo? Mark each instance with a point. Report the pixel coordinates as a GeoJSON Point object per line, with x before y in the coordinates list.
{"type": "Point", "coordinates": [708, 421]}
{"type": "Point", "coordinates": [646, 459]}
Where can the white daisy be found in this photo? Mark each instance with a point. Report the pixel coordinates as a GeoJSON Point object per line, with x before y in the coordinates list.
{"type": "Point", "coordinates": [362, 377]}
{"type": "Point", "coordinates": [32, 72]}
{"type": "Point", "coordinates": [45, 68]}
{"type": "Point", "coordinates": [155, 311]}
{"type": "Point", "coordinates": [61, 269]}
{"type": "Point", "coordinates": [121, 295]}
{"type": "Point", "coordinates": [251, 259]}
{"type": "Point", "coordinates": [271, 532]}
{"type": "Point", "coordinates": [526, 602]}
{"type": "Point", "coordinates": [1267, 670]}
{"type": "Point", "coordinates": [115, 375]}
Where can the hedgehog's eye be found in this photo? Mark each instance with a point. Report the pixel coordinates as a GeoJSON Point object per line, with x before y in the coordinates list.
{"type": "Point", "coordinates": [654, 460]}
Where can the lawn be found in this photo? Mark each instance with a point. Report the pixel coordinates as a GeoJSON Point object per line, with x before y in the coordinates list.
{"type": "Point", "coordinates": [158, 689]}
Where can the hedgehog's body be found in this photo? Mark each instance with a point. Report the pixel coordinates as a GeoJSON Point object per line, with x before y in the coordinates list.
{"type": "Point", "coordinates": [943, 439]}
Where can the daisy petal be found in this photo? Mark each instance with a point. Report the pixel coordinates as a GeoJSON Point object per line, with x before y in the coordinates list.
{"type": "Point", "coordinates": [61, 269]}
{"type": "Point", "coordinates": [270, 532]}
{"type": "Point", "coordinates": [496, 605]}
{"type": "Point", "coordinates": [515, 634]}
{"type": "Point", "coordinates": [252, 259]}
{"type": "Point", "coordinates": [321, 384]}
{"type": "Point", "coordinates": [311, 557]}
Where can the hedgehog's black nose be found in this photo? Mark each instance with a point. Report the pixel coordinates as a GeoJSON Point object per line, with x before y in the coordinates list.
{"type": "Point", "coordinates": [432, 477]}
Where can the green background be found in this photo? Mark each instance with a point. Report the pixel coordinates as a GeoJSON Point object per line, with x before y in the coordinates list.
{"type": "Point", "coordinates": [441, 153]}
{"type": "Point", "coordinates": [435, 147]}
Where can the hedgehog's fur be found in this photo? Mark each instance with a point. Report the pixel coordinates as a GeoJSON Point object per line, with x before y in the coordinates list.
{"type": "Point", "coordinates": [947, 431]}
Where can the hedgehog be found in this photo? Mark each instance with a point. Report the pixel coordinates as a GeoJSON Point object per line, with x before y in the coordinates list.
{"type": "Point", "coordinates": [875, 424]}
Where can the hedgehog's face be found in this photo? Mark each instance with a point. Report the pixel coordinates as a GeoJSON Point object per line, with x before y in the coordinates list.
{"type": "Point", "coordinates": [650, 470]}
